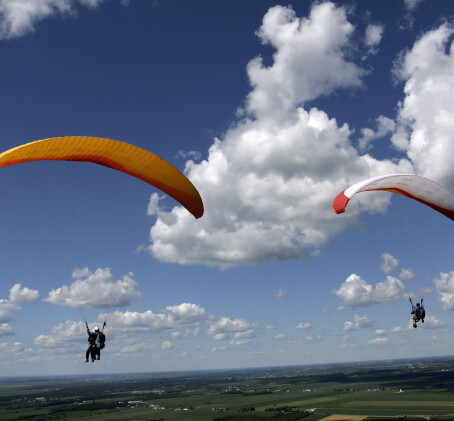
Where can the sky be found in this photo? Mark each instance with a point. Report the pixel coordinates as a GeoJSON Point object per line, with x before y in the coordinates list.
{"type": "Point", "coordinates": [270, 109]}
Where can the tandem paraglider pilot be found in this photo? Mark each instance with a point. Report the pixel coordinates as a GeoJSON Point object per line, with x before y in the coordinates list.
{"type": "Point", "coordinates": [96, 342]}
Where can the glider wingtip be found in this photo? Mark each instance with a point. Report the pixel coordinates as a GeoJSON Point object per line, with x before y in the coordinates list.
{"type": "Point", "coordinates": [340, 203]}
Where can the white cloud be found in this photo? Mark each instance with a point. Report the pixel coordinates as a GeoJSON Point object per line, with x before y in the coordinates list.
{"type": "Point", "coordinates": [137, 348]}
{"type": "Point", "coordinates": [380, 332]}
{"type": "Point", "coordinates": [425, 125]}
{"type": "Point", "coordinates": [19, 295]}
{"type": "Point", "coordinates": [280, 293]}
{"type": "Point", "coordinates": [431, 322]}
{"type": "Point", "coordinates": [378, 341]}
{"type": "Point", "coordinates": [444, 286]}
{"type": "Point", "coordinates": [242, 330]}
{"type": "Point", "coordinates": [359, 323]}
{"type": "Point", "coordinates": [385, 127]}
{"type": "Point", "coordinates": [95, 290]}
{"type": "Point", "coordinates": [303, 326]}
{"type": "Point", "coordinates": [153, 204]}
{"type": "Point", "coordinates": [356, 292]}
{"type": "Point", "coordinates": [194, 155]}
{"type": "Point", "coordinates": [282, 337]}
{"type": "Point", "coordinates": [19, 17]}
{"type": "Point", "coordinates": [219, 349]}
{"type": "Point", "coordinates": [310, 48]}
{"type": "Point", "coordinates": [373, 36]}
{"type": "Point", "coordinates": [64, 335]}
{"type": "Point", "coordinates": [91, 3]}
{"type": "Point", "coordinates": [268, 185]}
{"type": "Point", "coordinates": [16, 348]}
{"type": "Point", "coordinates": [390, 263]}
{"type": "Point", "coordinates": [397, 329]}
{"type": "Point", "coordinates": [407, 275]}
{"type": "Point", "coordinates": [168, 346]}
{"type": "Point", "coordinates": [5, 330]}
{"type": "Point", "coordinates": [172, 318]}
{"type": "Point", "coordinates": [313, 338]}
{"type": "Point", "coordinates": [412, 4]}
{"type": "Point", "coordinates": [5, 310]}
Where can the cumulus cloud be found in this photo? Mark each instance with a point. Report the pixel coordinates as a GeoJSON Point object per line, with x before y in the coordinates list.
{"type": "Point", "coordinates": [282, 337]}
{"type": "Point", "coordinates": [313, 338]}
{"type": "Point", "coordinates": [153, 204]}
{"type": "Point", "coordinates": [303, 326]}
{"type": "Point", "coordinates": [219, 349]}
{"type": "Point", "coordinates": [412, 4]}
{"type": "Point", "coordinates": [431, 322]}
{"type": "Point", "coordinates": [241, 330]}
{"type": "Point", "coordinates": [194, 155]}
{"type": "Point", "coordinates": [390, 264]}
{"type": "Point", "coordinates": [183, 320]}
{"type": "Point", "coordinates": [373, 37]}
{"type": "Point", "coordinates": [168, 346]}
{"type": "Point", "coordinates": [95, 290]}
{"type": "Point", "coordinates": [16, 348]}
{"type": "Point", "coordinates": [172, 318]}
{"type": "Point", "coordinates": [19, 295]}
{"type": "Point", "coordinates": [378, 341]}
{"type": "Point", "coordinates": [280, 293]}
{"type": "Point", "coordinates": [268, 183]}
{"type": "Point", "coordinates": [137, 348]}
{"type": "Point", "coordinates": [407, 275]}
{"type": "Point", "coordinates": [385, 127]}
{"type": "Point", "coordinates": [424, 124]}
{"type": "Point", "coordinates": [19, 17]}
{"type": "Point", "coordinates": [380, 332]}
{"type": "Point", "coordinates": [444, 286]}
{"type": "Point", "coordinates": [5, 330]}
{"type": "Point", "coordinates": [64, 335]}
{"type": "Point", "coordinates": [359, 323]}
{"type": "Point", "coordinates": [356, 292]}
{"type": "Point", "coordinates": [6, 308]}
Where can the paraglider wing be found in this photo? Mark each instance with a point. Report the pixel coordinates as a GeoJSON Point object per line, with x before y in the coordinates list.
{"type": "Point", "coordinates": [114, 154]}
{"type": "Point", "coordinates": [413, 186]}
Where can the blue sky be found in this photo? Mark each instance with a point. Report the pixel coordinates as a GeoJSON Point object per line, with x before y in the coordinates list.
{"type": "Point", "coordinates": [270, 109]}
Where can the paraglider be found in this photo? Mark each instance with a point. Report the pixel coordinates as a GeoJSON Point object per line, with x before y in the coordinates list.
{"type": "Point", "coordinates": [419, 313]}
{"type": "Point", "coordinates": [96, 340]}
{"type": "Point", "coordinates": [413, 186]}
{"type": "Point", "coordinates": [114, 154]}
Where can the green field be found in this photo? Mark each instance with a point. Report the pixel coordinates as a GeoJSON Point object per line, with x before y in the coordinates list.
{"type": "Point", "coordinates": [411, 390]}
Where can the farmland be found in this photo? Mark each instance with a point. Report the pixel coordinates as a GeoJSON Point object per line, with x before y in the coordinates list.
{"type": "Point", "coordinates": [403, 389]}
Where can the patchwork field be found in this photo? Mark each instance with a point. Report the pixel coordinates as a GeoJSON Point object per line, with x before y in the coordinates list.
{"type": "Point", "coordinates": [410, 390]}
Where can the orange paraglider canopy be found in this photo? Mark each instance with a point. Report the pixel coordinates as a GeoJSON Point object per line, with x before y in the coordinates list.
{"type": "Point", "coordinates": [114, 154]}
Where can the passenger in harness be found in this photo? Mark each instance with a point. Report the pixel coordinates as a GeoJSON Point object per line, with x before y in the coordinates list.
{"type": "Point", "coordinates": [418, 313]}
